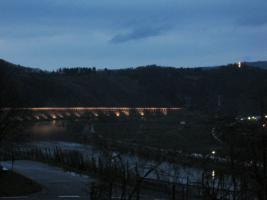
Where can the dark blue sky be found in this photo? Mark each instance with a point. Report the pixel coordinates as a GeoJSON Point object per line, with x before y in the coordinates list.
{"type": "Point", "coordinates": [120, 33]}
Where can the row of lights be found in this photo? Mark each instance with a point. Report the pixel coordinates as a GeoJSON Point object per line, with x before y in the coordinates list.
{"type": "Point", "coordinates": [56, 116]}
{"type": "Point", "coordinates": [104, 109]}
{"type": "Point", "coordinates": [118, 114]}
{"type": "Point", "coordinates": [251, 118]}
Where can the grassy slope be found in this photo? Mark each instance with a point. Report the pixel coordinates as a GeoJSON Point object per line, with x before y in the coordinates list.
{"type": "Point", "coordinates": [14, 184]}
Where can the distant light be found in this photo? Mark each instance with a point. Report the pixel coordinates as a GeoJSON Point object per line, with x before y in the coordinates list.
{"type": "Point", "coordinates": [249, 118]}
{"type": "Point", "coordinates": [142, 113]}
{"type": "Point", "coordinates": [213, 152]}
{"type": "Point", "coordinates": [263, 125]}
{"type": "Point", "coordinates": [239, 64]}
{"type": "Point", "coordinates": [117, 114]}
{"type": "Point", "coordinates": [265, 116]}
{"type": "Point", "coordinates": [213, 173]}
{"type": "Point", "coordinates": [241, 119]}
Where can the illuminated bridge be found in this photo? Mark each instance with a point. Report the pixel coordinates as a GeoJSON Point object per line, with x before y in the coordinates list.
{"type": "Point", "coordinates": [57, 113]}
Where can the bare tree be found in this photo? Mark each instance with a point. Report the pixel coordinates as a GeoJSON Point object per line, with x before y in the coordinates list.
{"type": "Point", "coordinates": [245, 147]}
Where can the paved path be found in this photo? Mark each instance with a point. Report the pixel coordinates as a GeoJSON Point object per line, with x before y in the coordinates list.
{"type": "Point", "coordinates": [57, 183]}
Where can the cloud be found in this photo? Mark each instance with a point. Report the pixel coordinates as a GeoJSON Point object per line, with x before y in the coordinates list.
{"type": "Point", "coordinates": [139, 33]}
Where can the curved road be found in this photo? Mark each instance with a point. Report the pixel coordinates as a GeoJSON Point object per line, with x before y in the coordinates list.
{"type": "Point", "coordinates": [58, 184]}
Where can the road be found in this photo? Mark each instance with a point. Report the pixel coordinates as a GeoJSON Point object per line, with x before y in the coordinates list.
{"type": "Point", "coordinates": [57, 183]}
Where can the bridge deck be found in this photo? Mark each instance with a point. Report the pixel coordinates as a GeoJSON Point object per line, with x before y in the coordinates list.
{"type": "Point", "coordinates": [95, 108]}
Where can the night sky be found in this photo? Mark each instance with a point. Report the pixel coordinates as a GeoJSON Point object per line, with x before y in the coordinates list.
{"type": "Point", "coordinates": [118, 33]}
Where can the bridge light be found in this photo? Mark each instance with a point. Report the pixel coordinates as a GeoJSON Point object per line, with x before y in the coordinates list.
{"type": "Point", "coordinates": [53, 116]}
{"type": "Point", "coordinates": [117, 114]}
{"type": "Point", "coordinates": [126, 112]}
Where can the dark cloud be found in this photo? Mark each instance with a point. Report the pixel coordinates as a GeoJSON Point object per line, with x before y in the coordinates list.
{"type": "Point", "coordinates": [139, 33]}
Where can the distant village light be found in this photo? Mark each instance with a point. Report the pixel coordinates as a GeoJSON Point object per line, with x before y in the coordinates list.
{"type": "Point", "coordinates": [239, 64]}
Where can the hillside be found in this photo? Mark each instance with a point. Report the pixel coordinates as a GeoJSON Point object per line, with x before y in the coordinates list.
{"type": "Point", "coordinates": [259, 64]}
{"type": "Point", "coordinates": [195, 88]}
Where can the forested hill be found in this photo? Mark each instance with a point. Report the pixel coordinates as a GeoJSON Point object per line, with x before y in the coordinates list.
{"type": "Point", "coordinates": [239, 89]}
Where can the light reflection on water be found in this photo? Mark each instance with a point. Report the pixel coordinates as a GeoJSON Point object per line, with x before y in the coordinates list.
{"type": "Point", "coordinates": [47, 128]}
